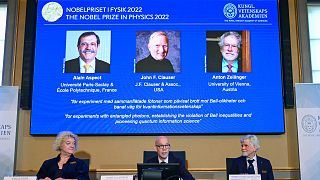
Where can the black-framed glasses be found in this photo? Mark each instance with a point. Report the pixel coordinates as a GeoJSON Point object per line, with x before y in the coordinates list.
{"type": "Point", "coordinates": [165, 146]}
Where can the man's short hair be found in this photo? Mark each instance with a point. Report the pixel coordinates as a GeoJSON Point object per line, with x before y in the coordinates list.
{"type": "Point", "coordinates": [158, 33]}
{"type": "Point", "coordinates": [85, 34]}
{"type": "Point", "coordinates": [253, 140]}
{"type": "Point", "coordinates": [230, 33]}
{"type": "Point", "coordinates": [158, 139]}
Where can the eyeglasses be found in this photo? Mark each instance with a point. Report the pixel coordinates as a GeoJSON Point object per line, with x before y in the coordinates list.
{"type": "Point", "coordinates": [233, 46]}
{"type": "Point", "coordinates": [166, 146]}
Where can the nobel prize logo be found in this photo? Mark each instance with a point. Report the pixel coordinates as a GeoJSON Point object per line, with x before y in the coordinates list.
{"type": "Point", "coordinates": [52, 11]}
{"type": "Point", "coordinates": [230, 11]}
{"type": "Point", "coordinates": [309, 123]}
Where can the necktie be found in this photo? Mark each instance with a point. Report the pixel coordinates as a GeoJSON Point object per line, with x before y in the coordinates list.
{"type": "Point", "coordinates": [229, 67]}
{"type": "Point", "coordinates": [250, 167]}
{"type": "Point", "coordinates": [163, 162]}
{"type": "Point", "coordinates": [86, 68]}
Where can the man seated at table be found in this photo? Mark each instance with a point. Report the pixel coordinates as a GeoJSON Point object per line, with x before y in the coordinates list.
{"type": "Point", "coordinates": [162, 147]}
{"type": "Point", "coordinates": [249, 162]}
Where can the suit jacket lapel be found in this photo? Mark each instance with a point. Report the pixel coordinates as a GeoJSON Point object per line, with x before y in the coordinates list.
{"type": "Point", "coordinates": [76, 66]}
{"type": "Point", "coordinates": [259, 165]}
{"type": "Point", "coordinates": [243, 165]}
{"type": "Point", "coordinates": [170, 158]}
{"type": "Point", "coordinates": [157, 159]}
{"type": "Point", "coordinates": [98, 66]}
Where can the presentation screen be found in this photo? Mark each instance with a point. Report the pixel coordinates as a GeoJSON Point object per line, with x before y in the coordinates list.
{"type": "Point", "coordinates": [140, 67]}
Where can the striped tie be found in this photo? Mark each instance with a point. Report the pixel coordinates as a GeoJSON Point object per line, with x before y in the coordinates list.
{"type": "Point", "coordinates": [229, 67]}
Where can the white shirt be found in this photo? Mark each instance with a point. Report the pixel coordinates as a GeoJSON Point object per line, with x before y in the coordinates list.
{"type": "Point", "coordinates": [91, 67]}
{"type": "Point", "coordinates": [255, 164]}
{"type": "Point", "coordinates": [166, 160]}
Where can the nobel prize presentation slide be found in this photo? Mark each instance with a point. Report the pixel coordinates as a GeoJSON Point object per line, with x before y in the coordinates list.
{"type": "Point", "coordinates": [202, 95]}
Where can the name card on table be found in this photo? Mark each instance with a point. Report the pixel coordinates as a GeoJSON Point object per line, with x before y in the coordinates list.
{"type": "Point", "coordinates": [245, 177]}
{"type": "Point", "coordinates": [117, 177]}
{"type": "Point", "coordinates": [20, 178]}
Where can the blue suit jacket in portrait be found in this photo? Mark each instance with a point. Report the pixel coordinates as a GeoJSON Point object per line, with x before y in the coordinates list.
{"type": "Point", "coordinates": [183, 172]}
{"type": "Point", "coordinates": [239, 166]}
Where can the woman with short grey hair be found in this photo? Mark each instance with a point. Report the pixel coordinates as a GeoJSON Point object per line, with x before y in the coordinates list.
{"type": "Point", "coordinates": [65, 165]}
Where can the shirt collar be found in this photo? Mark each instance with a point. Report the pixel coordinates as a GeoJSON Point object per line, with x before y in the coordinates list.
{"type": "Point", "coordinates": [71, 158]}
{"type": "Point", "coordinates": [234, 65]}
{"type": "Point", "coordinates": [92, 63]}
{"type": "Point", "coordinates": [166, 160]}
{"type": "Point", "coordinates": [254, 158]}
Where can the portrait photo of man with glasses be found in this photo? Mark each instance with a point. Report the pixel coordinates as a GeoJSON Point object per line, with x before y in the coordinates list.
{"type": "Point", "coordinates": [228, 52]}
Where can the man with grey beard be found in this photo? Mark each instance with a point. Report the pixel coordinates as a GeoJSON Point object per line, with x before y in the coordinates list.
{"type": "Point", "coordinates": [250, 162]}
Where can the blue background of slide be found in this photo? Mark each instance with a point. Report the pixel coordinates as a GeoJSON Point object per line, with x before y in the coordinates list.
{"type": "Point", "coordinates": [192, 18]}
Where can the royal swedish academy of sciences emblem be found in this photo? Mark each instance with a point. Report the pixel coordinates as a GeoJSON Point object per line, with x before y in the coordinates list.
{"type": "Point", "coordinates": [230, 11]}
{"type": "Point", "coordinates": [309, 123]}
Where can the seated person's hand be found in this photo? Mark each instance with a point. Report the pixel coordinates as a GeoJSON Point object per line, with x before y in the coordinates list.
{"type": "Point", "coordinates": [46, 178]}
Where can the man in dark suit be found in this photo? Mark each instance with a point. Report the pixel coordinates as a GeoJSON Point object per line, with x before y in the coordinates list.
{"type": "Point", "coordinates": [229, 61]}
{"type": "Point", "coordinates": [249, 162]}
{"type": "Point", "coordinates": [88, 46]}
{"type": "Point", "coordinates": [162, 146]}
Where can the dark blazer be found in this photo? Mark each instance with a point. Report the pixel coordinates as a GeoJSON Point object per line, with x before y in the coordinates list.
{"type": "Point", "coordinates": [183, 172]}
{"type": "Point", "coordinates": [73, 66]}
{"type": "Point", "coordinates": [73, 169]}
{"type": "Point", "coordinates": [239, 166]}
